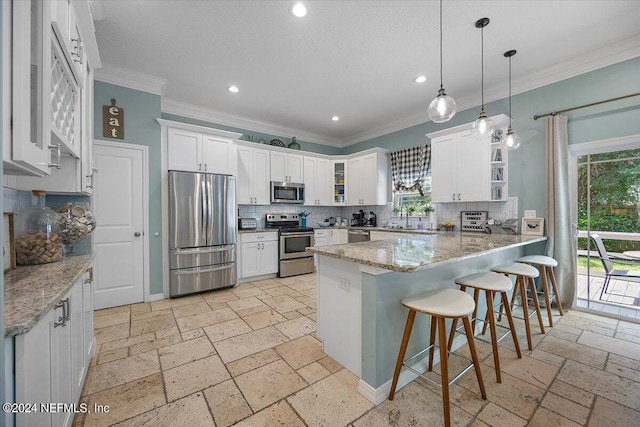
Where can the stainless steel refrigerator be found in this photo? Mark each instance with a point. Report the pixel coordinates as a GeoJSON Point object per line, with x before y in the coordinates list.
{"type": "Point", "coordinates": [202, 232]}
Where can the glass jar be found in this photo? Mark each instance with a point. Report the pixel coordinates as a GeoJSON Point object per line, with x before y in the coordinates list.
{"type": "Point", "coordinates": [76, 222]}
{"type": "Point", "coordinates": [37, 240]}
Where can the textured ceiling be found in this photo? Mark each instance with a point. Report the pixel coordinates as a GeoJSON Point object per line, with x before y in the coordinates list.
{"type": "Point", "coordinates": [355, 59]}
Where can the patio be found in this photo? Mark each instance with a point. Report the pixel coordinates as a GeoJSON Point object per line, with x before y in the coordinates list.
{"type": "Point", "coordinates": [622, 298]}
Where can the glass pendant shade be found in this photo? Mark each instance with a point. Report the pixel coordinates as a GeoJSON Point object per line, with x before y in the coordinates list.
{"type": "Point", "coordinates": [442, 108]}
{"type": "Point", "coordinates": [483, 126]}
{"type": "Point", "coordinates": [512, 141]}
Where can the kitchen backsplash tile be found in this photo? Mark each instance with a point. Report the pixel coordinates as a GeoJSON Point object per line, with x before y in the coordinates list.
{"type": "Point", "coordinates": [497, 210]}
{"type": "Point", "coordinates": [444, 212]}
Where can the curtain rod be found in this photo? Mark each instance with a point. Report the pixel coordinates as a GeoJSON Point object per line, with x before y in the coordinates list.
{"type": "Point", "coordinates": [539, 116]}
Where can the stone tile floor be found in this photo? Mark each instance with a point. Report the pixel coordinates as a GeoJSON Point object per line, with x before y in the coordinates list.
{"type": "Point", "coordinates": [249, 356]}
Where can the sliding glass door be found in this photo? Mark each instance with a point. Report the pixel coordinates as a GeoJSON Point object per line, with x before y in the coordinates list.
{"type": "Point", "coordinates": [607, 204]}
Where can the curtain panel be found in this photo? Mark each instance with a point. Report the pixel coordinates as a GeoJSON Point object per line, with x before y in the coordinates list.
{"type": "Point", "coordinates": [409, 167]}
{"type": "Point", "coordinates": [562, 240]}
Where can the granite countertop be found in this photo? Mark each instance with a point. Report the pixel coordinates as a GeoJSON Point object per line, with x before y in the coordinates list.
{"type": "Point", "coordinates": [31, 291]}
{"type": "Point", "coordinates": [419, 251]}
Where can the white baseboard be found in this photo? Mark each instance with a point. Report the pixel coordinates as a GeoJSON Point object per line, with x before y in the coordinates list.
{"type": "Point", "coordinates": [256, 278]}
{"type": "Point", "coordinates": [156, 297]}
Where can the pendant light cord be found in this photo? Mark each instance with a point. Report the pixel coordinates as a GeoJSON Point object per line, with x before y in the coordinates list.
{"type": "Point", "coordinates": [510, 92]}
{"type": "Point", "coordinates": [441, 44]}
{"type": "Point", "coordinates": [482, 62]}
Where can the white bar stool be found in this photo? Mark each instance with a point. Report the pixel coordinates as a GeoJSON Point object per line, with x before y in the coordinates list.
{"type": "Point", "coordinates": [546, 264]}
{"type": "Point", "coordinates": [490, 282]}
{"type": "Point", "coordinates": [524, 273]}
{"type": "Point", "coordinates": [440, 304]}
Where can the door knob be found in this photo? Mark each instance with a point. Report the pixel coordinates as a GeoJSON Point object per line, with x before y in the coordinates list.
{"type": "Point", "coordinates": [137, 234]}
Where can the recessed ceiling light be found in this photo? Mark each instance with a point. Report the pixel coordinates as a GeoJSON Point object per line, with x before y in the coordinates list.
{"type": "Point", "coordinates": [335, 118]}
{"type": "Point", "coordinates": [298, 10]}
{"type": "Point", "coordinates": [233, 89]}
{"type": "Point", "coordinates": [420, 79]}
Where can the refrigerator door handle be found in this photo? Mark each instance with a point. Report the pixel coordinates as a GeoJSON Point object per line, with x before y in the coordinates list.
{"type": "Point", "coordinates": [193, 251]}
{"type": "Point", "coordinates": [209, 223]}
{"type": "Point", "coordinates": [204, 270]}
{"type": "Point", "coordinates": [203, 209]}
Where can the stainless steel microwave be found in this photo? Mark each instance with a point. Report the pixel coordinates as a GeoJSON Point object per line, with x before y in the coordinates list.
{"type": "Point", "coordinates": [287, 192]}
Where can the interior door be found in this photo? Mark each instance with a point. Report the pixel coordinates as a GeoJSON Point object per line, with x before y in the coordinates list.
{"type": "Point", "coordinates": [118, 241]}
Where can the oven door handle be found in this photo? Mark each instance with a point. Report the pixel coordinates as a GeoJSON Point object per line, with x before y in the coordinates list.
{"type": "Point", "coordinates": [294, 234]}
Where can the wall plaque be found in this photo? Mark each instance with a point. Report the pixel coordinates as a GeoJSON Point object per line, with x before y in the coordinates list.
{"type": "Point", "coordinates": [112, 121]}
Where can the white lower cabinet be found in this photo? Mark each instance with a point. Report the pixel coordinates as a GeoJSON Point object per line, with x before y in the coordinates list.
{"type": "Point", "coordinates": [258, 254]}
{"type": "Point", "coordinates": [51, 360]}
{"type": "Point", "coordinates": [324, 237]}
{"type": "Point", "coordinates": [321, 237]}
{"type": "Point", "coordinates": [335, 236]}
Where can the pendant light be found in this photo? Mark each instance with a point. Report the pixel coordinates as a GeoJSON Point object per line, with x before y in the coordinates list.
{"type": "Point", "coordinates": [443, 107]}
{"type": "Point", "coordinates": [512, 141]}
{"type": "Point", "coordinates": [483, 126]}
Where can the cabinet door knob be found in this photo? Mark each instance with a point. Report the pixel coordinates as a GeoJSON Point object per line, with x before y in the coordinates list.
{"type": "Point", "coordinates": [137, 234]}
{"type": "Point", "coordinates": [205, 167]}
{"type": "Point", "coordinates": [199, 166]}
{"type": "Point", "coordinates": [458, 196]}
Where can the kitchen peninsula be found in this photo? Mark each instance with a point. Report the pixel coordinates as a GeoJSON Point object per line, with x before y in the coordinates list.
{"type": "Point", "coordinates": [361, 285]}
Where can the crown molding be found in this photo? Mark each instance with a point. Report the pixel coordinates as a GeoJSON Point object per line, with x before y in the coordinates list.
{"type": "Point", "coordinates": [178, 108]}
{"type": "Point", "coordinates": [594, 60]}
{"type": "Point", "coordinates": [131, 79]}
{"type": "Point", "coordinates": [599, 58]}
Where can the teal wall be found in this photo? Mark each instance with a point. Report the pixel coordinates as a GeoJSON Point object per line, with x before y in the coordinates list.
{"type": "Point", "coordinates": [304, 145]}
{"type": "Point", "coordinates": [526, 165]}
{"type": "Point", "coordinates": [141, 109]}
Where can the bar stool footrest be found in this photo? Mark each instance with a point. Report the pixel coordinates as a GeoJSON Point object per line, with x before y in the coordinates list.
{"type": "Point", "coordinates": [422, 374]}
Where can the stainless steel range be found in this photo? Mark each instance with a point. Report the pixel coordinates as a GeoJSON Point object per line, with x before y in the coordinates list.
{"type": "Point", "coordinates": [294, 240]}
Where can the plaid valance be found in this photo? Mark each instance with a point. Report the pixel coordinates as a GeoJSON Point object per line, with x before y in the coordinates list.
{"type": "Point", "coordinates": [409, 167]}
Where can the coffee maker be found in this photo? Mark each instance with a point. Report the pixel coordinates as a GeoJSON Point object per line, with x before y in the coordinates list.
{"type": "Point", "coordinates": [357, 219]}
{"type": "Point", "coordinates": [369, 220]}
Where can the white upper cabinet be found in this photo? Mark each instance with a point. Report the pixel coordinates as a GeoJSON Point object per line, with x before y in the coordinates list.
{"type": "Point", "coordinates": [286, 167]}
{"type": "Point", "coordinates": [462, 166]}
{"type": "Point", "coordinates": [317, 181]}
{"type": "Point", "coordinates": [52, 83]}
{"type": "Point", "coordinates": [252, 186]}
{"type": "Point", "coordinates": [184, 150]}
{"type": "Point", "coordinates": [459, 168]}
{"type": "Point", "coordinates": [368, 182]}
{"type": "Point", "coordinates": [64, 22]}
{"type": "Point", "coordinates": [74, 175]}
{"type": "Point", "coordinates": [197, 152]}
{"type": "Point", "coordinates": [444, 179]}
{"type": "Point", "coordinates": [29, 24]}
{"type": "Point", "coordinates": [218, 155]}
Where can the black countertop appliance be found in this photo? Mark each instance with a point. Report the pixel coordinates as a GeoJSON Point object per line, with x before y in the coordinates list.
{"type": "Point", "coordinates": [369, 220]}
{"type": "Point", "coordinates": [358, 219]}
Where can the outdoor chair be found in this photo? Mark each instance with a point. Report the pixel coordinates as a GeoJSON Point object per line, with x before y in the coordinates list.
{"type": "Point", "coordinates": [608, 267]}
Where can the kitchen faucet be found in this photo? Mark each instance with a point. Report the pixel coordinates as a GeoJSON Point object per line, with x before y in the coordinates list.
{"type": "Point", "coordinates": [406, 222]}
